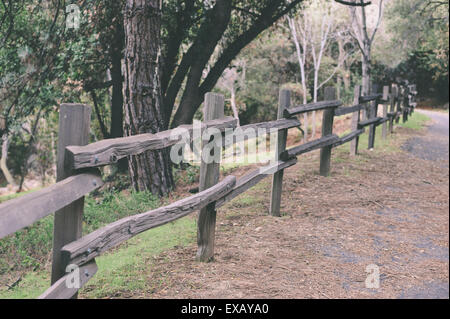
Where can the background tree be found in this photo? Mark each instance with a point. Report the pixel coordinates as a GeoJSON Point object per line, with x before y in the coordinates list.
{"type": "Point", "coordinates": [233, 27]}
{"type": "Point", "coordinates": [365, 37]}
{"type": "Point", "coordinates": [205, 45]}
{"type": "Point", "coordinates": [417, 38]}
{"type": "Point", "coordinates": [315, 31]}
{"type": "Point", "coordinates": [232, 80]}
{"type": "Point", "coordinates": [302, 49]}
{"type": "Point", "coordinates": [202, 27]}
{"type": "Point", "coordinates": [142, 99]}
{"type": "Point", "coordinates": [30, 62]}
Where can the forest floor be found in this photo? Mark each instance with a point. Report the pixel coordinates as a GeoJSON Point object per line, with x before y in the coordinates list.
{"type": "Point", "coordinates": [386, 207]}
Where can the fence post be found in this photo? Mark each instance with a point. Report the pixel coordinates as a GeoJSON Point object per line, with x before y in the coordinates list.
{"type": "Point", "coordinates": [399, 103]}
{"type": "Point", "coordinates": [385, 110]}
{"type": "Point", "coordinates": [74, 126]}
{"type": "Point", "coordinates": [406, 104]}
{"type": "Point", "coordinates": [327, 129]}
{"type": "Point", "coordinates": [277, 179]}
{"type": "Point", "coordinates": [209, 176]}
{"type": "Point", "coordinates": [410, 99]}
{"type": "Point", "coordinates": [393, 96]}
{"type": "Point", "coordinates": [413, 97]}
{"type": "Point", "coordinates": [355, 120]}
{"type": "Point", "coordinates": [373, 112]}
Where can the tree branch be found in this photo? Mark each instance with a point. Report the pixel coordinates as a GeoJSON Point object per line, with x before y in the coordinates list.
{"type": "Point", "coordinates": [353, 4]}
{"type": "Point", "coordinates": [380, 15]}
{"type": "Point", "coordinates": [99, 117]}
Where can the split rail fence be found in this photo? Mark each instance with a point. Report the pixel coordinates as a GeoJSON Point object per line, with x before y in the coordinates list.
{"type": "Point", "coordinates": [78, 175]}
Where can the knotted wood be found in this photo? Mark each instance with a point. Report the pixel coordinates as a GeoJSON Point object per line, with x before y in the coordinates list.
{"type": "Point", "coordinates": [105, 238]}
{"type": "Point", "coordinates": [106, 152]}
{"type": "Point", "coordinates": [310, 146]}
{"type": "Point", "coordinates": [346, 110]}
{"type": "Point", "coordinates": [349, 137]}
{"type": "Point", "coordinates": [251, 179]}
{"type": "Point", "coordinates": [311, 107]}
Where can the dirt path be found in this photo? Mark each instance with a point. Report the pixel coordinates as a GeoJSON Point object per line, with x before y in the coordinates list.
{"type": "Point", "coordinates": [384, 207]}
{"type": "Point", "coordinates": [434, 145]}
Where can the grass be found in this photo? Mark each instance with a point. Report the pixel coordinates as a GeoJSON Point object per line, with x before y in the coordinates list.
{"type": "Point", "coordinates": [30, 248]}
{"type": "Point", "coordinates": [128, 267]}
{"type": "Point", "coordinates": [416, 121]}
{"type": "Point", "coordinates": [122, 270]}
{"type": "Point", "coordinates": [119, 270]}
{"type": "Point", "coordinates": [340, 154]}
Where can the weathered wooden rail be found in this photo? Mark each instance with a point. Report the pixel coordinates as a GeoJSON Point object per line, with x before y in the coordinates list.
{"type": "Point", "coordinates": [77, 175]}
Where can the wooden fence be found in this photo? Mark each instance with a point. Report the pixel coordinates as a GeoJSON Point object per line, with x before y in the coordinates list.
{"type": "Point", "coordinates": [77, 175]}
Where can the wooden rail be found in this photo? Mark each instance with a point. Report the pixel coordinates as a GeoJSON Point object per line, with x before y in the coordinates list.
{"type": "Point", "coordinates": [110, 151]}
{"type": "Point", "coordinates": [310, 146]}
{"type": "Point", "coordinates": [349, 137]}
{"type": "Point", "coordinates": [66, 196]}
{"type": "Point", "coordinates": [371, 121]}
{"type": "Point", "coordinates": [249, 180]}
{"type": "Point", "coordinates": [311, 107]}
{"type": "Point", "coordinates": [21, 212]}
{"type": "Point", "coordinates": [280, 124]}
{"type": "Point", "coordinates": [369, 98]}
{"type": "Point", "coordinates": [346, 110]}
{"type": "Point", "coordinates": [103, 239]}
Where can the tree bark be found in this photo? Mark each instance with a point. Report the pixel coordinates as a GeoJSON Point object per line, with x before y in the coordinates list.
{"type": "Point", "coordinates": [233, 104]}
{"type": "Point", "coordinates": [366, 68]}
{"type": "Point", "coordinates": [116, 129]}
{"type": "Point", "coordinates": [301, 61]}
{"type": "Point", "coordinates": [4, 167]}
{"type": "Point", "coordinates": [364, 40]}
{"type": "Point", "coordinates": [142, 94]}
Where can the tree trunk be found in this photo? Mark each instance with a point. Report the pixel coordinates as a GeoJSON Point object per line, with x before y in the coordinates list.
{"type": "Point", "coordinates": [366, 68]}
{"type": "Point", "coordinates": [3, 165]}
{"type": "Point", "coordinates": [233, 104]}
{"type": "Point", "coordinates": [301, 61]}
{"type": "Point", "coordinates": [142, 94]}
{"type": "Point", "coordinates": [201, 52]}
{"type": "Point", "coordinates": [315, 93]}
{"type": "Point", "coordinates": [346, 78]}
{"type": "Point", "coordinates": [116, 129]}
{"type": "Point", "coordinates": [366, 77]}
{"type": "Point", "coordinates": [338, 87]}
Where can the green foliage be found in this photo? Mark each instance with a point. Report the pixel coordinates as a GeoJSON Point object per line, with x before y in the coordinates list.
{"type": "Point", "coordinates": [417, 121]}
{"type": "Point", "coordinates": [420, 38]}
{"type": "Point", "coordinates": [30, 62]}
{"type": "Point", "coordinates": [270, 65]}
{"type": "Point", "coordinates": [119, 270]}
{"type": "Point", "coordinates": [27, 248]}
